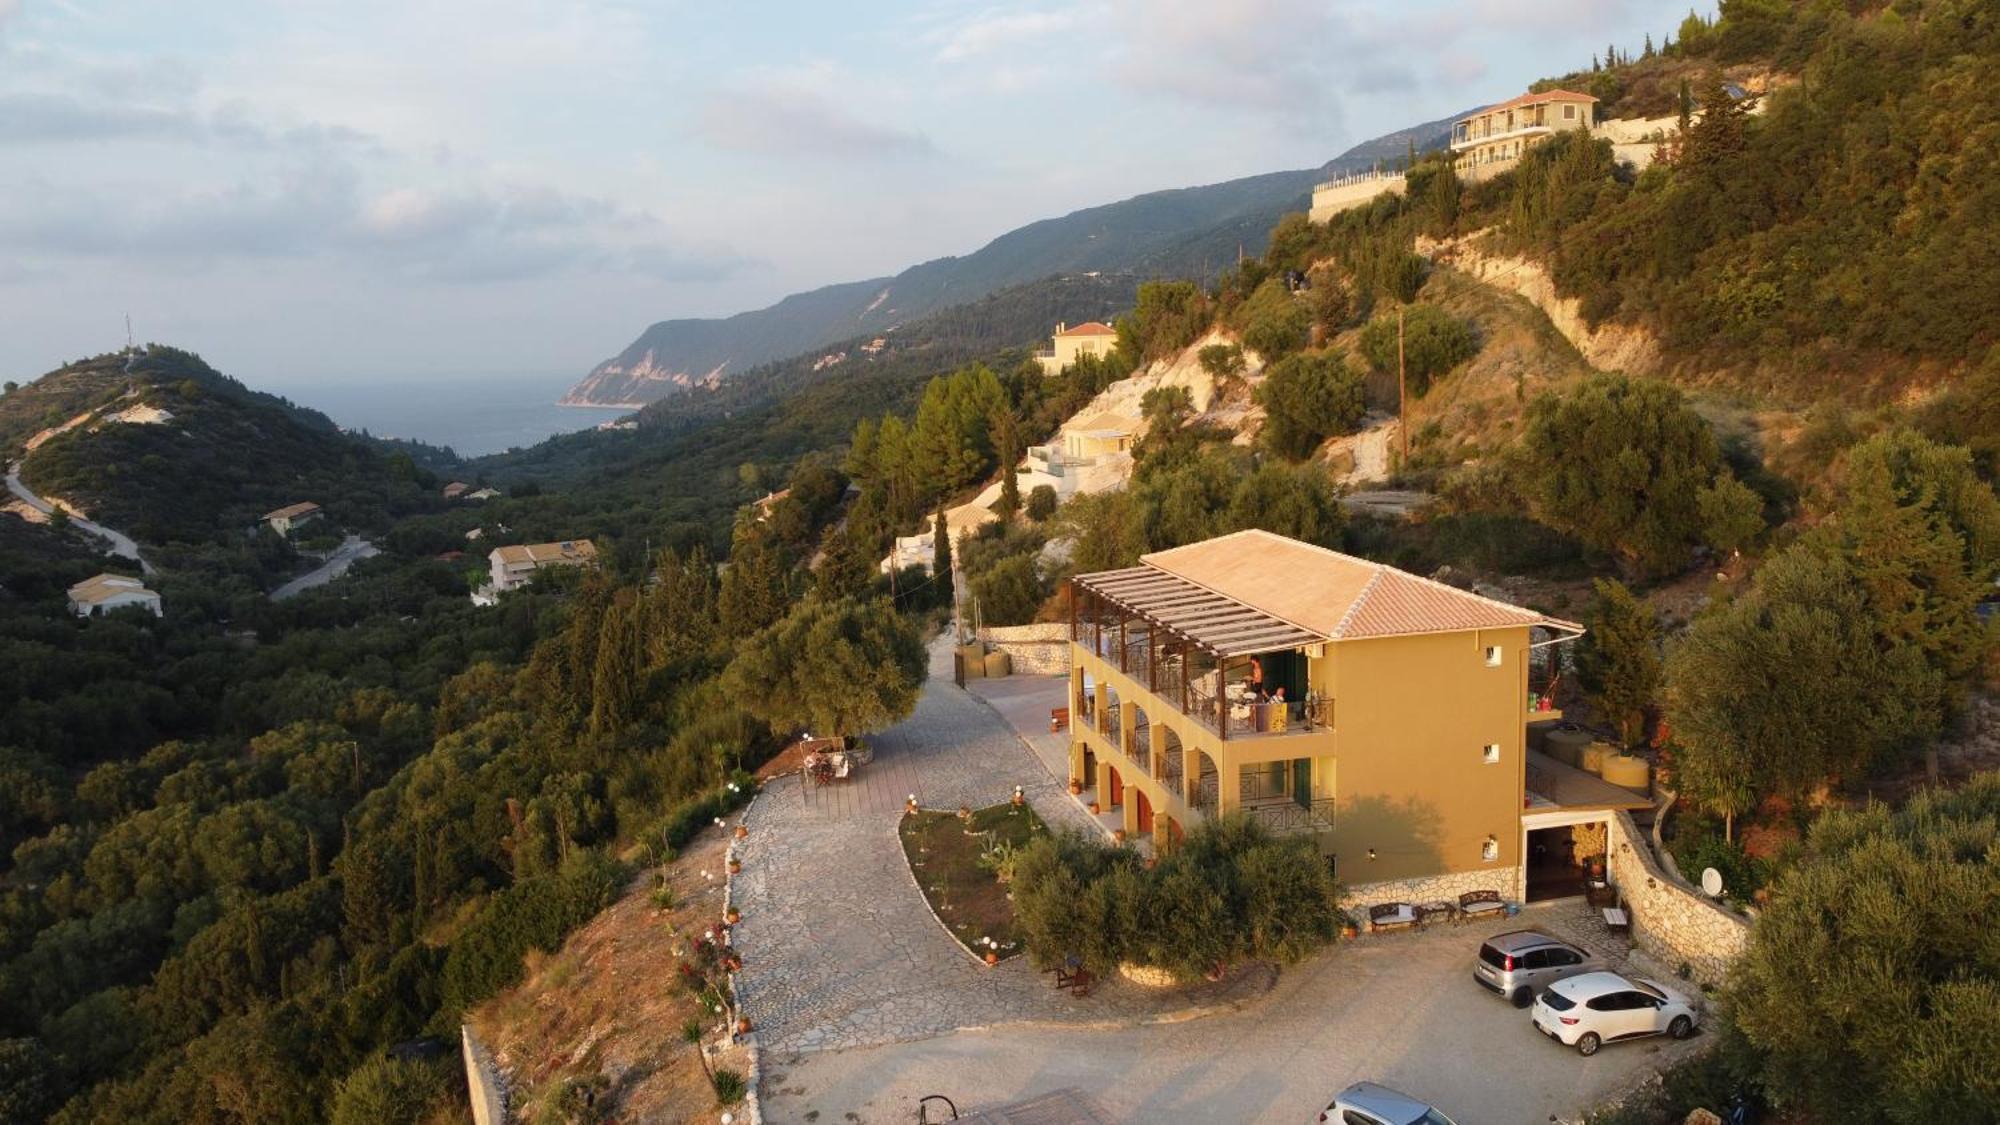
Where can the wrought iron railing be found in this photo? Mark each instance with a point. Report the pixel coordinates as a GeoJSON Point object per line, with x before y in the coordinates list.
{"type": "Point", "coordinates": [1203, 798]}
{"type": "Point", "coordinates": [1289, 816]}
{"type": "Point", "coordinates": [1240, 718]}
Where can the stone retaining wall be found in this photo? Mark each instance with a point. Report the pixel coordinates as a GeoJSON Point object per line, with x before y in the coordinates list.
{"type": "Point", "coordinates": [482, 1079]}
{"type": "Point", "coordinates": [1037, 650]}
{"type": "Point", "coordinates": [1356, 898]}
{"type": "Point", "coordinates": [1673, 923]}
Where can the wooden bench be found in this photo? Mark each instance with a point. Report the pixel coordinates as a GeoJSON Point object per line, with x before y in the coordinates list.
{"type": "Point", "coordinates": [1392, 916]}
{"type": "Point", "coordinates": [1058, 719]}
{"type": "Point", "coordinates": [1479, 904]}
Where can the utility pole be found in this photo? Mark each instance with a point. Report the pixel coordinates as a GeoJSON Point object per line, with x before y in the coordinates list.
{"type": "Point", "coordinates": [1402, 391]}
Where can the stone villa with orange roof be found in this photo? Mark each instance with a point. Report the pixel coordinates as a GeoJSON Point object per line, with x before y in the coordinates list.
{"type": "Point", "coordinates": [1071, 344]}
{"type": "Point", "coordinates": [1385, 715]}
{"type": "Point", "coordinates": [1491, 141]}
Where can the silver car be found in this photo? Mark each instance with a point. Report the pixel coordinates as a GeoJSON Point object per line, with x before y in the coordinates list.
{"type": "Point", "coordinates": [1520, 964]}
{"type": "Point", "coordinates": [1365, 1103]}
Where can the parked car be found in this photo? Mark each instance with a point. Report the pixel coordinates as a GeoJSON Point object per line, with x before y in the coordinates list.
{"type": "Point", "coordinates": [1517, 965]}
{"type": "Point", "coordinates": [1365, 1103]}
{"type": "Point", "coordinates": [1591, 1010]}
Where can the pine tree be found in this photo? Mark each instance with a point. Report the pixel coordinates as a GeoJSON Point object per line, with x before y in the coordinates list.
{"type": "Point", "coordinates": [1647, 52]}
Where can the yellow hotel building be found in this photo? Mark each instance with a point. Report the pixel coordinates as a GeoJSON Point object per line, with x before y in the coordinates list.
{"type": "Point", "coordinates": [1382, 713]}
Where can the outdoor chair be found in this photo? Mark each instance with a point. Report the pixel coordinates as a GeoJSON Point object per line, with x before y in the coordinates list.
{"type": "Point", "coordinates": [1473, 905]}
{"type": "Point", "coordinates": [1074, 978]}
{"type": "Point", "coordinates": [1392, 916]}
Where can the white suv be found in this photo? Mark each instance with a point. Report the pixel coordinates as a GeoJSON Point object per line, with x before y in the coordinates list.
{"type": "Point", "coordinates": [1588, 1011]}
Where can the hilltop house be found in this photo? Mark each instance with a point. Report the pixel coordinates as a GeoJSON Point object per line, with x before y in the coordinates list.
{"type": "Point", "coordinates": [1099, 435]}
{"type": "Point", "coordinates": [482, 494]}
{"type": "Point", "coordinates": [770, 501]}
{"type": "Point", "coordinates": [1491, 141]}
{"type": "Point", "coordinates": [1383, 714]}
{"type": "Point", "coordinates": [513, 566]}
{"type": "Point", "coordinates": [912, 550]}
{"type": "Point", "coordinates": [107, 592]}
{"type": "Point", "coordinates": [1071, 344]}
{"type": "Point", "coordinates": [455, 489]}
{"type": "Point", "coordinates": [292, 516]}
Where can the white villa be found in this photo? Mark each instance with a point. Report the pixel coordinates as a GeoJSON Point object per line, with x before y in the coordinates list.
{"type": "Point", "coordinates": [1071, 344]}
{"type": "Point", "coordinates": [291, 516]}
{"type": "Point", "coordinates": [513, 566]}
{"type": "Point", "coordinates": [912, 550]}
{"type": "Point", "coordinates": [107, 592]}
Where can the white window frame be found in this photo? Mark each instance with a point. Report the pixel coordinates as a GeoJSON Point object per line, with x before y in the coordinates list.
{"type": "Point", "coordinates": [1491, 754]}
{"type": "Point", "coordinates": [1495, 656]}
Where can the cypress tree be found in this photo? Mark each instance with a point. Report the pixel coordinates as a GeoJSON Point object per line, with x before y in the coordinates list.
{"type": "Point", "coordinates": [941, 559]}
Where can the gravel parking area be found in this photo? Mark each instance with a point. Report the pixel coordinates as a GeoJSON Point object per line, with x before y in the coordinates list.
{"type": "Point", "coordinates": [1400, 1009]}
{"type": "Point", "coordinates": [840, 949]}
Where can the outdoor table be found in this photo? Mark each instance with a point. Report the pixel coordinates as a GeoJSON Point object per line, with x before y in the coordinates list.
{"type": "Point", "coordinates": [1617, 921]}
{"type": "Point", "coordinates": [1429, 912]}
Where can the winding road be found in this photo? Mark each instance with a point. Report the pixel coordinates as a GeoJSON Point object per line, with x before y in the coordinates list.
{"type": "Point", "coordinates": [121, 543]}
{"type": "Point", "coordinates": [351, 550]}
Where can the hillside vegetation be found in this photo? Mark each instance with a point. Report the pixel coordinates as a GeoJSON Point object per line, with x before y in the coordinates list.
{"type": "Point", "coordinates": [227, 456]}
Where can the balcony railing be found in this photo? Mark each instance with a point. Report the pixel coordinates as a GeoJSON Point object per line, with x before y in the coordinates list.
{"type": "Point", "coordinates": [1286, 816]}
{"type": "Point", "coordinates": [1203, 799]}
{"type": "Point", "coordinates": [1241, 718]}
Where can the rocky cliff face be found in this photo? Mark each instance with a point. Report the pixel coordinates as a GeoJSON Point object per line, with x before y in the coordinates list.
{"type": "Point", "coordinates": [1608, 347]}
{"type": "Point", "coordinates": [614, 383]}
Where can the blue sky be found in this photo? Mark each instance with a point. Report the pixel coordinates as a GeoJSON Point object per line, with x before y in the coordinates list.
{"type": "Point", "coordinates": [305, 190]}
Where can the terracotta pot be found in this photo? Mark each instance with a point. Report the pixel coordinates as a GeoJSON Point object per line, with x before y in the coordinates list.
{"type": "Point", "coordinates": [1075, 787]}
{"type": "Point", "coordinates": [736, 867]}
{"type": "Point", "coordinates": [743, 1025]}
{"type": "Point", "coordinates": [965, 812]}
{"type": "Point", "coordinates": [992, 958]}
{"type": "Point", "coordinates": [1118, 835]}
{"type": "Point", "coordinates": [1350, 930]}
{"type": "Point", "coordinates": [1094, 809]}
{"type": "Point", "coordinates": [742, 831]}
{"type": "Point", "coordinates": [734, 916]}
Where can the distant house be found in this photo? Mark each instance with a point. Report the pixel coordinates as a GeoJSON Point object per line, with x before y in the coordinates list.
{"type": "Point", "coordinates": [455, 489]}
{"type": "Point", "coordinates": [475, 533]}
{"type": "Point", "coordinates": [513, 566]}
{"type": "Point", "coordinates": [107, 592]}
{"type": "Point", "coordinates": [912, 550]}
{"type": "Point", "coordinates": [1071, 344]}
{"type": "Point", "coordinates": [770, 501]}
{"type": "Point", "coordinates": [1491, 141]}
{"type": "Point", "coordinates": [1099, 435]}
{"type": "Point", "coordinates": [292, 516]}
{"type": "Point", "coordinates": [482, 494]}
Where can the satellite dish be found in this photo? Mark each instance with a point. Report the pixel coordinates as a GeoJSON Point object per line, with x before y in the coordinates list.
{"type": "Point", "coordinates": [1711, 882]}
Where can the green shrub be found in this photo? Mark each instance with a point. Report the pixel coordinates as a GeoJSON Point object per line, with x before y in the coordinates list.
{"type": "Point", "coordinates": [1434, 342]}
{"type": "Point", "coordinates": [535, 913]}
{"type": "Point", "coordinates": [1307, 399]}
{"type": "Point", "coordinates": [386, 1089]}
{"type": "Point", "coordinates": [1041, 502]}
{"type": "Point", "coordinates": [1274, 322]}
{"type": "Point", "coordinates": [729, 1087]}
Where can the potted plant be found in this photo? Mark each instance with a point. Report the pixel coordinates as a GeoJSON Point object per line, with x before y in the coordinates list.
{"type": "Point", "coordinates": [733, 916]}
{"type": "Point", "coordinates": [1118, 835]}
{"type": "Point", "coordinates": [992, 958]}
{"type": "Point", "coordinates": [1349, 930]}
{"type": "Point", "coordinates": [1076, 787]}
{"type": "Point", "coordinates": [1095, 809]}
{"type": "Point", "coordinates": [743, 1025]}
{"type": "Point", "coordinates": [965, 812]}
{"type": "Point", "coordinates": [742, 831]}
{"type": "Point", "coordinates": [736, 867]}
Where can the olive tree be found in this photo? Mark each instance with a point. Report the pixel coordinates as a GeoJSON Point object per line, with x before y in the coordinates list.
{"type": "Point", "coordinates": [840, 667]}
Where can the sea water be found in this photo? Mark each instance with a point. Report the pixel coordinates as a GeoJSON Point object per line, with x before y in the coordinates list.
{"type": "Point", "coordinates": [474, 416]}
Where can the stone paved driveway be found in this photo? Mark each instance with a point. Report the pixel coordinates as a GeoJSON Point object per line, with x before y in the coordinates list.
{"type": "Point", "coordinates": [840, 949]}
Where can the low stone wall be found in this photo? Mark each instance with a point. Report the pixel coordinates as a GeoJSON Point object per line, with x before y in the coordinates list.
{"type": "Point", "coordinates": [1673, 923]}
{"type": "Point", "coordinates": [1356, 898]}
{"type": "Point", "coordinates": [1331, 198]}
{"type": "Point", "coordinates": [483, 1081]}
{"type": "Point", "coordinates": [1037, 650]}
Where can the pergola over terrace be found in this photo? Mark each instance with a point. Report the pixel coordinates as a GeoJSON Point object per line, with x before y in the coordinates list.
{"type": "Point", "coordinates": [1179, 624]}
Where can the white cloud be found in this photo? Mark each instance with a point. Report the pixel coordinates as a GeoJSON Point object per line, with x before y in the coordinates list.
{"type": "Point", "coordinates": [994, 30]}
{"type": "Point", "coordinates": [792, 121]}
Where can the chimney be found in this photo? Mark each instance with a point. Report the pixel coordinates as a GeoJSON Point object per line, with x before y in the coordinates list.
{"type": "Point", "coordinates": [1061, 327]}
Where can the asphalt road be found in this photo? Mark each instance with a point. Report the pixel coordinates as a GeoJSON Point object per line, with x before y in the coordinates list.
{"type": "Point", "coordinates": [351, 550]}
{"type": "Point", "coordinates": [121, 543]}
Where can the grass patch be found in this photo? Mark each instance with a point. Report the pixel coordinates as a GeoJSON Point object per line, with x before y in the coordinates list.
{"type": "Point", "coordinates": [960, 866]}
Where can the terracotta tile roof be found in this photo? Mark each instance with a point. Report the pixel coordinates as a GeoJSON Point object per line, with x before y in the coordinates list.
{"type": "Point", "coordinates": [1336, 596]}
{"type": "Point", "coordinates": [104, 587]}
{"type": "Point", "coordinates": [536, 554]}
{"type": "Point", "coordinates": [1090, 328]}
{"type": "Point", "coordinates": [292, 511]}
{"type": "Point", "coordinates": [1531, 99]}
